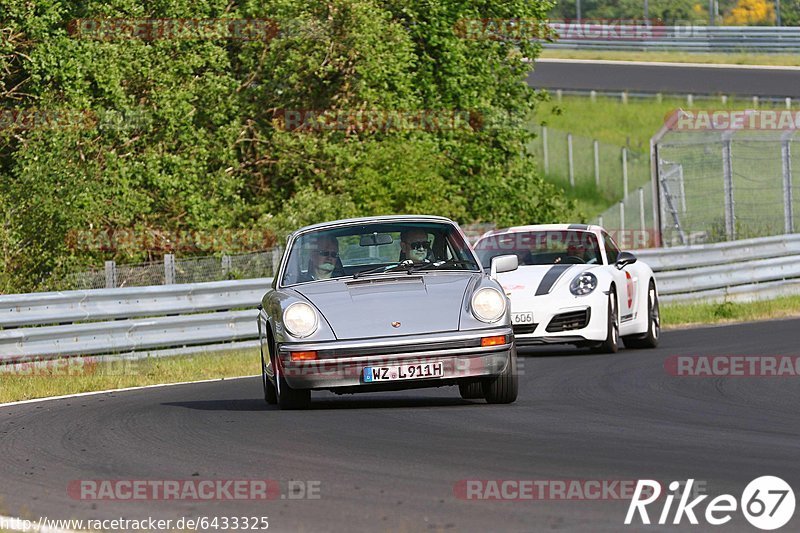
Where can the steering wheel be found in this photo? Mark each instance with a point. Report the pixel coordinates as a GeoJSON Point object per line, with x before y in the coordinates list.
{"type": "Point", "coordinates": [572, 260]}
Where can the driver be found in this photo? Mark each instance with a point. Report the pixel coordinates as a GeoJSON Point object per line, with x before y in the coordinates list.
{"type": "Point", "coordinates": [414, 245]}
{"type": "Point", "coordinates": [322, 261]}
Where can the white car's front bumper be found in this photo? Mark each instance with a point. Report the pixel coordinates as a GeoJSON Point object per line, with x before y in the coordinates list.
{"type": "Point", "coordinates": [560, 320]}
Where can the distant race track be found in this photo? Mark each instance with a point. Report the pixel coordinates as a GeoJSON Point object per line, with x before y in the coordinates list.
{"type": "Point", "coordinates": [391, 461]}
{"type": "Point", "coordinates": [680, 78]}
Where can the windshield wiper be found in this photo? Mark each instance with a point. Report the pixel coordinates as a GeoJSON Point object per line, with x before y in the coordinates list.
{"type": "Point", "coordinates": [437, 264]}
{"type": "Point", "coordinates": [384, 268]}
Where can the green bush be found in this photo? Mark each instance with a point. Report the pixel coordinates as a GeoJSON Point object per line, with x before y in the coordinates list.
{"type": "Point", "coordinates": [182, 135]}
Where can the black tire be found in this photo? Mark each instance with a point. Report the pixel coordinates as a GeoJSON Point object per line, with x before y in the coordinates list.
{"type": "Point", "coordinates": [649, 339]}
{"type": "Point", "coordinates": [270, 395]}
{"type": "Point", "coordinates": [471, 391]}
{"type": "Point", "coordinates": [289, 398]}
{"type": "Point", "coordinates": [611, 344]}
{"type": "Point", "coordinates": [503, 388]}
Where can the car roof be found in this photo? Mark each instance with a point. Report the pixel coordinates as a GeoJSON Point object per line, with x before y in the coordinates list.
{"type": "Point", "coordinates": [366, 220]}
{"type": "Point", "coordinates": [543, 227]}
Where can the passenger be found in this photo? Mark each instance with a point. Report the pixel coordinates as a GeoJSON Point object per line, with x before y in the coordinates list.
{"type": "Point", "coordinates": [323, 261]}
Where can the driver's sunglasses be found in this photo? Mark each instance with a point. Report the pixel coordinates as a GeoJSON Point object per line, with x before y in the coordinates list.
{"type": "Point", "coordinates": [326, 253]}
{"type": "Point", "coordinates": [420, 245]}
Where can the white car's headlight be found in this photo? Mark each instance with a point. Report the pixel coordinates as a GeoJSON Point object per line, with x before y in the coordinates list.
{"type": "Point", "coordinates": [583, 284]}
{"type": "Point", "coordinates": [488, 305]}
{"type": "Point", "coordinates": [300, 319]}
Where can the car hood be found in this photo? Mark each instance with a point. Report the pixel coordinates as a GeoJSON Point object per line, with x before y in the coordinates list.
{"type": "Point", "coordinates": [367, 307]}
{"type": "Point", "coordinates": [539, 280]}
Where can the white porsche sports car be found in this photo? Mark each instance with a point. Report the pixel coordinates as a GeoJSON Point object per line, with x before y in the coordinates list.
{"type": "Point", "coordinates": [575, 286]}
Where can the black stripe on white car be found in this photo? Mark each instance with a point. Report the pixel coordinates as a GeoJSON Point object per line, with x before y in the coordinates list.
{"type": "Point", "coordinates": [551, 277]}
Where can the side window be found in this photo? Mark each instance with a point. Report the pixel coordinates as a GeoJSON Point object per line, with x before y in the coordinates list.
{"type": "Point", "coordinates": [612, 252]}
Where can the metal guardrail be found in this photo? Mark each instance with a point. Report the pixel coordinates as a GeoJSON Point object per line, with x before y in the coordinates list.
{"type": "Point", "coordinates": [687, 38]}
{"type": "Point", "coordinates": [737, 270]}
{"type": "Point", "coordinates": [195, 317]}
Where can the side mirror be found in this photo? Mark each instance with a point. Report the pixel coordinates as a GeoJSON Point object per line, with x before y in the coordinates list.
{"type": "Point", "coordinates": [503, 263]}
{"type": "Point", "coordinates": [624, 259]}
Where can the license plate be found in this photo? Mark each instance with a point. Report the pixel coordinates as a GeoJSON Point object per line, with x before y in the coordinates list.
{"type": "Point", "coordinates": [522, 318]}
{"type": "Point", "coordinates": [374, 374]}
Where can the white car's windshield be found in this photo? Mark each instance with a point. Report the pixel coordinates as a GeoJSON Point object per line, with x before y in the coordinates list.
{"type": "Point", "coordinates": [542, 247]}
{"type": "Point", "coordinates": [366, 249]}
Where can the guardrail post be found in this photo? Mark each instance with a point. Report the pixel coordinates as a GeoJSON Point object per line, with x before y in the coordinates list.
{"type": "Point", "coordinates": [723, 99]}
{"type": "Point", "coordinates": [544, 150]}
{"type": "Point", "coordinates": [755, 101]}
{"type": "Point", "coordinates": [111, 274]}
{"type": "Point", "coordinates": [786, 159]}
{"type": "Point", "coordinates": [624, 97]}
{"type": "Point", "coordinates": [624, 172]}
{"type": "Point", "coordinates": [569, 160]}
{"type": "Point", "coordinates": [593, 96]}
{"type": "Point", "coordinates": [689, 100]}
{"type": "Point", "coordinates": [559, 95]}
{"type": "Point", "coordinates": [169, 269]}
{"type": "Point", "coordinates": [788, 103]}
{"type": "Point", "coordinates": [727, 175]}
{"type": "Point", "coordinates": [596, 146]}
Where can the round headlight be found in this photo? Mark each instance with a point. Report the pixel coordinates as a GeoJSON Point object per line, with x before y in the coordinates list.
{"type": "Point", "coordinates": [300, 319]}
{"type": "Point", "coordinates": [488, 305]}
{"type": "Point", "coordinates": [583, 284]}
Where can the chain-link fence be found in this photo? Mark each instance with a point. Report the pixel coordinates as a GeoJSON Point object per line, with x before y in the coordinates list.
{"type": "Point", "coordinates": [585, 164]}
{"type": "Point", "coordinates": [720, 184]}
{"type": "Point", "coordinates": [172, 270]}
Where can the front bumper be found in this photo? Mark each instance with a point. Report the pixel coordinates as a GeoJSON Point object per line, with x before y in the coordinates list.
{"type": "Point", "coordinates": [547, 310]}
{"type": "Point", "coordinates": [340, 364]}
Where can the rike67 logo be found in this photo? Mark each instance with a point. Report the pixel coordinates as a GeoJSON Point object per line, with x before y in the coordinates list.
{"type": "Point", "coordinates": [767, 503]}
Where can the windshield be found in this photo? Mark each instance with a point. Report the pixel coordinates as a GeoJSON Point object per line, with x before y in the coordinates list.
{"type": "Point", "coordinates": [542, 247]}
{"type": "Point", "coordinates": [376, 248]}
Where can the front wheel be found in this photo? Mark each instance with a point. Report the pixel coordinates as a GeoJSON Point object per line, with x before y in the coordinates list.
{"type": "Point", "coordinates": [471, 391]}
{"type": "Point", "coordinates": [289, 398]}
{"type": "Point", "coordinates": [611, 344]}
{"type": "Point", "coordinates": [270, 395]}
{"type": "Point", "coordinates": [503, 388]}
{"type": "Point", "coordinates": [649, 339]}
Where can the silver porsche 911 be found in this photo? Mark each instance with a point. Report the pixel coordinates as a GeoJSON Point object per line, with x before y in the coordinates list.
{"type": "Point", "coordinates": [385, 303]}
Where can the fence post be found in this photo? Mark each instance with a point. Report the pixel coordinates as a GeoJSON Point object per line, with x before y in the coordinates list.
{"type": "Point", "coordinates": [596, 146]}
{"type": "Point", "coordinates": [600, 221]}
{"type": "Point", "coordinates": [544, 149]}
{"type": "Point", "coordinates": [727, 174]}
{"type": "Point", "coordinates": [226, 266]}
{"type": "Point", "coordinates": [111, 275]}
{"type": "Point", "coordinates": [641, 209]}
{"type": "Point", "coordinates": [788, 103]}
{"type": "Point", "coordinates": [624, 172]}
{"type": "Point", "coordinates": [169, 269]}
{"type": "Point", "coordinates": [569, 160]}
{"type": "Point", "coordinates": [689, 100]}
{"type": "Point", "coordinates": [621, 217]}
{"type": "Point", "coordinates": [593, 96]}
{"type": "Point", "coordinates": [277, 252]}
{"type": "Point", "coordinates": [786, 158]}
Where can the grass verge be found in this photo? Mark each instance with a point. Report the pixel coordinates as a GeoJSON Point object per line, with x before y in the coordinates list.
{"type": "Point", "coordinates": [734, 58]}
{"type": "Point", "coordinates": [699, 314]}
{"type": "Point", "coordinates": [56, 378]}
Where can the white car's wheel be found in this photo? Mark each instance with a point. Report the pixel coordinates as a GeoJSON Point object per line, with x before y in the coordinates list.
{"type": "Point", "coordinates": [650, 338]}
{"type": "Point", "coordinates": [611, 344]}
